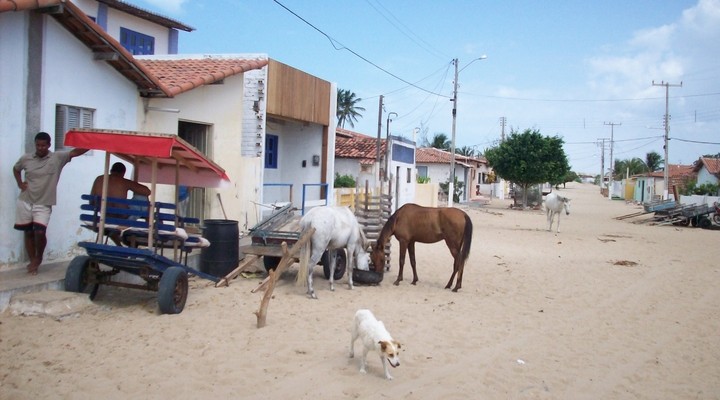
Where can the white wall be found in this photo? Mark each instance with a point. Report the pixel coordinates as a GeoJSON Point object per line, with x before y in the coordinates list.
{"type": "Point", "coordinates": [297, 143]}
{"type": "Point", "coordinates": [13, 54]}
{"type": "Point", "coordinates": [706, 177]}
{"type": "Point", "coordinates": [220, 107]}
{"type": "Point", "coordinates": [63, 55]}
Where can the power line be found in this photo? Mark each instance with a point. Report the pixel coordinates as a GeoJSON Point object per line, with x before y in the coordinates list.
{"type": "Point", "coordinates": [343, 47]}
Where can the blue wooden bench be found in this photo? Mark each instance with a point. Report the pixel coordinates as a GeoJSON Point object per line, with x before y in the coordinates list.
{"type": "Point", "coordinates": [129, 220]}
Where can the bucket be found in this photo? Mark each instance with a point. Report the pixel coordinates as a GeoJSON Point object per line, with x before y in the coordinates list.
{"type": "Point", "coordinates": [223, 254]}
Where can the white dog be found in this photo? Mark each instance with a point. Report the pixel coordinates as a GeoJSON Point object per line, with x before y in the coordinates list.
{"type": "Point", "coordinates": [374, 336]}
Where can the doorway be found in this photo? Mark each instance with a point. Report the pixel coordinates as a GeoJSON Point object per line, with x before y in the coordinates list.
{"type": "Point", "coordinates": [198, 136]}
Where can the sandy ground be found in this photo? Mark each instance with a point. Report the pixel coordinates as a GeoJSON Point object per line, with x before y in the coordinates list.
{"type": "Point", "coordinates": [605, 309]}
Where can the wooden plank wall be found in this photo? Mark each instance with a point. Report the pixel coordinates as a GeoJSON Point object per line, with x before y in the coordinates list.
{"type": "Point", "coordinates": [297, 95]}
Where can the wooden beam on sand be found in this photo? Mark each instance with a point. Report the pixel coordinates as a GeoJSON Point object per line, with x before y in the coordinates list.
{"type": "Point", "coordinates": [249, 259]}
{"type": "Point", "coordinates": [268, 283]}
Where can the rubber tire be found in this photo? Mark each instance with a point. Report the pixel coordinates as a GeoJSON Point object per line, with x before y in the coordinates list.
{"type": "Point", "coordinates": [172, 290]}
{"type": "Point", "coordinates": [271, 262]}
{"type": "Point", "coordinates": [76, 274]}
{"type": "Point", "coordinates": [704, 222]}
{"type": "Point", "coordinates": [684, 222]}
{"type": "Point", "coordinates": [340, 265]}
{"type": "Point", "coordinates": [367, 277]}
{"type": "Point", "coordinates": [716, 218]}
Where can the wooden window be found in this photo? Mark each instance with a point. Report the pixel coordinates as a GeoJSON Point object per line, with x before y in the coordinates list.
{"type": "Point", "coordinates": [70, 117]}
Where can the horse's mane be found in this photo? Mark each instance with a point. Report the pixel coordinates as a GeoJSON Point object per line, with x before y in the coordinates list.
{"type": "Point", "coordinates": [387, 230]}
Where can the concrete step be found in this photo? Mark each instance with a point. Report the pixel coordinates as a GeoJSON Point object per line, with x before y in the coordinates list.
{"type": "Point", "coordinates": [17, 281]}
{"type": "Point", "coordinates": [56, 304]}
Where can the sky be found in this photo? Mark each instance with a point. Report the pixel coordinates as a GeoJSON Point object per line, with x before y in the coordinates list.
{"type": "Point", "coordinates": [587, 71]}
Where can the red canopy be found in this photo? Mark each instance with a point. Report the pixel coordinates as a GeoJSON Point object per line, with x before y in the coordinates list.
{"type": "Point", "coordinates": [140, 149]}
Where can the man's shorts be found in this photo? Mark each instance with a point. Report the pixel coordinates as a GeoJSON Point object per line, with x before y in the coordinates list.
{"type": "Point", "coordinates": [31, 217]}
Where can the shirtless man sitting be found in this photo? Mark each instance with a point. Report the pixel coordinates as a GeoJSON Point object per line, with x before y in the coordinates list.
{"type": "Point", "coordinates": [118, 187]}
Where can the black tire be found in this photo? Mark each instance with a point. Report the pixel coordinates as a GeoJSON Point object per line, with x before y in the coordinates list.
{"type": "Point", "coordinates": [340, 265]}
{"type": "Point", "coordinates": [704, 222]}
{"type": "Point", "coordinates": [685, 221]}
{"type": "Point", "coordinates": [76, 275]}
{"type": "Point", "coordinates": [367, 277]}
{"type": "Point", "coordinates": [271, 262]}
{"type": "Point", "coordinates": [716, 218]}
{"type": "Point", "coordinates": [694, 221]}
{"type": "Point", "coordinates": [172, 290]}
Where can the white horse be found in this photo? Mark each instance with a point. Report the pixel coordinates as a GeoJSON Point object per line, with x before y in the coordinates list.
{"type": "Point", "coordinates": [336, 228]}
{"type": "Point", "coordinates": [554, 204]}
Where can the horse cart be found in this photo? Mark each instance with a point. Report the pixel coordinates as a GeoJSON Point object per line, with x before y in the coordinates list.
{"type": "Point", "coordinates": [157, 239]}
{"type": "Point", "coordinates": [686, 214]}
{"type": "Point", "coordinates": [282, 225]}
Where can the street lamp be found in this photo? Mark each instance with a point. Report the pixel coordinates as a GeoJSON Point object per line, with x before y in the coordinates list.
{"type": "Point", "coordinates": [387, 142]}
{"type": "Point", "coordinates": [451, 185]}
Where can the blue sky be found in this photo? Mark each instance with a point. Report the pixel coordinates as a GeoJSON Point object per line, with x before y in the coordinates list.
{"type": "Point", "coordinates": [566, 68]}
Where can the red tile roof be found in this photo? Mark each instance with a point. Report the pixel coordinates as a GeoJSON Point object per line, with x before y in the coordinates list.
{"type": "Point", "coordinates": [181, 75]}
{"type": "Point", "coordinates": [153, 78]}
{"type": "Point", "coordinates": [711, 164]}
{"type": "Point", "coordinates": [20, 5]}
{"type": "Point", "coordinates": [431, 155]}
{"type": "Point", "coordinates": [675, 170]}
{"type": "Point", "coordinates": [349, 144]}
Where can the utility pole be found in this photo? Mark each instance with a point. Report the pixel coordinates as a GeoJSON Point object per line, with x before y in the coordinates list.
{"type": "Point", "coordinates": [602, 163]}
{"type": "Point", "coordinates": [503, 121]}
{"type": "Point", "coordinates": [451, 184]}
{"type": "Point", "coordinates": [667, 134]}
{"type": "Point", "coordinates": [500, 181]}
{"type": "Point", "coordinates": [612, 168]}
{"type": "Point", "coordinates": [379, 133]}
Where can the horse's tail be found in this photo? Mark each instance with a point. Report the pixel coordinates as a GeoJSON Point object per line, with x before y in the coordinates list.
{"type": "Point", "coordinates": [467, 239]}
{"type": "Point", "coordinates": [301, 278]}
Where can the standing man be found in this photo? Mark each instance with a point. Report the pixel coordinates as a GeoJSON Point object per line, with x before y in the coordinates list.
{"type": "Point", "coordinates": [38, 193]}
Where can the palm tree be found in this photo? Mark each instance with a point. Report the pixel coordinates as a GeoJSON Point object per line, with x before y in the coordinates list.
{"type": "Point", "coordinates": [654, 161]}
{"type": "Point", "coordinates": [347, 108]}
{"type": "Point", "coordinates": [633, 166]}
{"type": "Point", "coordinates": [466, 151]}
{"type": "Point", "coordinates": [440, 141]}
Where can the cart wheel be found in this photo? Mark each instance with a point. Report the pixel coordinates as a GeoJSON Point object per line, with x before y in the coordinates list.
{"type": "Point", "coordinates": [704, 222]}
{"type": "Point", "coordinates": [271, 262]}
{"type": "Point", "coordinates": [76, 275]}
{"type": "Point", "coordinates": [694, 221]}
{"type": "Point", "coordinates": [173, 290]}
{"type": "Point", "coordinates": [684, 221]}
{"type": "Point", "coordinates": [340, 264]}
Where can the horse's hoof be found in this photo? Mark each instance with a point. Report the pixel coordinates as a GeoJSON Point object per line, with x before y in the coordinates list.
{"type": "Point", "coordinates": [396, 283]}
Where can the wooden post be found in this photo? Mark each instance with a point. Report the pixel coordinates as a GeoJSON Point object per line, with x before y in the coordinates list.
{"type": "Point", "coordinates": [288, 259]}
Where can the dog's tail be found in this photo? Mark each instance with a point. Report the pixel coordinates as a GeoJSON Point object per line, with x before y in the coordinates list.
{"type": "Point", "coordinates": [303, 266]}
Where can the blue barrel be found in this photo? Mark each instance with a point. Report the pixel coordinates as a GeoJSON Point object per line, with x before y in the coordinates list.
{"type": "Point", "coordinates": [223, 255]}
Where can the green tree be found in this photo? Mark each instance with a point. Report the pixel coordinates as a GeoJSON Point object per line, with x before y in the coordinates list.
{"type": "Point", "coordinates": [632, 167]}
{"type": "Point", "coordinates": [347, 108]}
{"type": "Point", "coordinates": [654, 161]}
{"type": "Point", "coordinates": [529, 158]}
{"type": "Point", "coordinates": [440, 141]}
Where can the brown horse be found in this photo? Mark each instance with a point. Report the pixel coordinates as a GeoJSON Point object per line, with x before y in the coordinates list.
{"type": "Point", "coordinates": [413, 223]}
